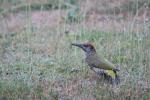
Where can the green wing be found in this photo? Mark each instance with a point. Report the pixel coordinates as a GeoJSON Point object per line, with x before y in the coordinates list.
{"type": "Point", "coordinates": [102, 63]}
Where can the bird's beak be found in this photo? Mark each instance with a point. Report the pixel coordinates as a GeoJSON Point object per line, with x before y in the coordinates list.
{"type": "Point", "coordinates": [78, 45]}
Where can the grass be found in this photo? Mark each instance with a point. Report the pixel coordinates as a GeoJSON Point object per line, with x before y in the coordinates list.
{"type": "Point", "coordinates": [42, 65]}
{"type": "Point", "coordinates": [34, 65]}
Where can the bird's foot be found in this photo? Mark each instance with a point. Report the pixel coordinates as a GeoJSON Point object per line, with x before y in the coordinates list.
{"type": "Point", "coordinates": [100, 72]}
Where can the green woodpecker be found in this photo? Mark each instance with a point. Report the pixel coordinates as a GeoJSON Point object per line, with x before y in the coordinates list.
{"type": "Point", "coordinates": [105, 68]}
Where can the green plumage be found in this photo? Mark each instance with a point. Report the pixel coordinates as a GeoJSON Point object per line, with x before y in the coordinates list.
{"type": "Point", "coordinates": [106, 68]}
{"type": "Point", "coordinates": [94, 60]}
{"type": "Point", "coordinates": [109, 70]}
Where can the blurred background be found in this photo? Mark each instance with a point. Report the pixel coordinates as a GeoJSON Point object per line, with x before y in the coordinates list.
{"type": "Point", "coordinates": [37, 61]}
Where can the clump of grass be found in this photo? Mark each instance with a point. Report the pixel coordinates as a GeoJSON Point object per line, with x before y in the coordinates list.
{"type": "Point", "coordinates": [13, 90]}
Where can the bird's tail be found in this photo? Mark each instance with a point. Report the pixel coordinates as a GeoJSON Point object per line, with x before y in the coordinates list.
{"type": "Point", "coordinates": [112, 76]}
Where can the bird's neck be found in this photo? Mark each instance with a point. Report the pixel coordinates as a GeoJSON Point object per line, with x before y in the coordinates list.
{"type": "Point", "coordinates": [90, 53]}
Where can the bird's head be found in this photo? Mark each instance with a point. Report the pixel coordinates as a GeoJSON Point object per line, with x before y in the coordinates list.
{"type": "Point", "coordinates": [87, 47]}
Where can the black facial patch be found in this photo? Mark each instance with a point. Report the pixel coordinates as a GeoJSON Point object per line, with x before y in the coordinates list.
{"type": "Point", "coordinates": [89, 46]}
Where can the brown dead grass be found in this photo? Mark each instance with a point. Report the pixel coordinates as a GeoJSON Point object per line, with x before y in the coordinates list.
{"type": "Point", "coordinates": [15, 23]}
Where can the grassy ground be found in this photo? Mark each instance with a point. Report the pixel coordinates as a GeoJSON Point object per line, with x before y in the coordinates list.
{"type": "Point", "coordinates": [38, 63]}
{"type": "Point", "coordinates": [43, 66]}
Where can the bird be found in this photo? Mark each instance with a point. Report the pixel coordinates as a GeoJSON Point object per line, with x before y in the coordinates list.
{"type": "Point", "coordinates": [96, 62]}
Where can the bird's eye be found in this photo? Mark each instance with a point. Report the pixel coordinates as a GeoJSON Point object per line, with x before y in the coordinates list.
{"type": "Point", "coordinates": [91, 47]}
{"type": "Point", "coordinates": [86, 45]}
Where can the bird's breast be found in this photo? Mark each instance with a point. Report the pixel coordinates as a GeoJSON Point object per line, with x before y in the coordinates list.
{"type": "Point", "coordinates": [90, 61]}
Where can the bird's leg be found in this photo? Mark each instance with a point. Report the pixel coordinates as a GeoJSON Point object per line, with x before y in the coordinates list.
{"type": "Point", "coordinates": [92, 68]}
{"type": "Point", "coordinates": [98, 71]}
{"type": "Point", "coordinates": [101, 72]}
